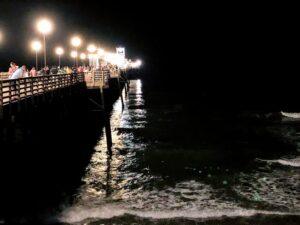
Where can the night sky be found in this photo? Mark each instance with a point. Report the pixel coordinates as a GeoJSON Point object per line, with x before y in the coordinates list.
{"type": "Point", "coordinates": [106, 25]}
{"type": "Point", "coordinates": [230, 48]}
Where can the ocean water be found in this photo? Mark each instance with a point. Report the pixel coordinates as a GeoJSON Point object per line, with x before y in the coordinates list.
{"type": "Point", "coordinates": [170, 166]}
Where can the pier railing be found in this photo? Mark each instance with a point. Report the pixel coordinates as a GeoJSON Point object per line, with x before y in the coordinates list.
{"type": "Point", "coordinates": [13, 90]}
{"type": "Point", "coordinates": [97, 78]}
{"type": "Point", "coordinates": [3, 75]}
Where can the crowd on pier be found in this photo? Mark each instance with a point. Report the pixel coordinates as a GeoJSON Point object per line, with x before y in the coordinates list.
{"type": "Point", "coordinates": [15, 72]}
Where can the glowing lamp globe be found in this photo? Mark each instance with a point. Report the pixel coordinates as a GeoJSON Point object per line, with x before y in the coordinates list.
{"type": "Point", "coordinates": [91, 48]}
{"type": "Point", "coordinates": [74, 54]}
{"type": "Point", "coordinates": [59, 51]}
{"type": "Point", "coordinates": [82, 56]}
{"type": "Point", "coordinates": [76, 41]}
{"type": "Point", "coordinates": [36, 45]}
{"type": "Point", "coordinates": [44, 26]}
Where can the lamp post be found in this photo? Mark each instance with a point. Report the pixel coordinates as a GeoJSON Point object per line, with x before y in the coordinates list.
{"type": "Point", "coordinates": [91, 48]}
{"type": "Point", "coordinates": [59, 51]}
{"type": "Point", "coordinates": [83, 57]}
{"type": "Point", "coordinates": [1, 36]}
{"type": "Point", "coordinates": [76, 42]}
{"type": "Point", "coordinates": [36, 46]}
{"type": "Point", "coordinates": [44, 26]}
{"type": "Point", "coordinates": [74, 55]}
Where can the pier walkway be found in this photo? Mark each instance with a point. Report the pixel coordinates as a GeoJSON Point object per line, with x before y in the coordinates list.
{"type": "Point", "coordinates": [16, 90]}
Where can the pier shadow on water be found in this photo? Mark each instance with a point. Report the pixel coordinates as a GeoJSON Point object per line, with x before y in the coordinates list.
{"type": "Point", "coordinates": [42, 164]}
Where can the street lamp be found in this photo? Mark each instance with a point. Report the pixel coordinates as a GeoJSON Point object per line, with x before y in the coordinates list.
{"type": "Point", "coordinates": [74, 55]}
{"type": "Point", "coordinates": [100, 52]}
{"type": "Point", "coordinates": [36, 46]}
{"type": "Point", "coordinates": [91, 48]}
{"type": "Point", "coordinates": [59, 51]}
{"type": "Point", "coordinates": [138, 63]}
{"type": "Point", "coordinates": [44, 26]}
{"type": "Point", "coordinates": [1, 36]}
{"type": "Point", "coordinates": [83, 57]}
{"type": "Point", "coordinates": [76, 42]}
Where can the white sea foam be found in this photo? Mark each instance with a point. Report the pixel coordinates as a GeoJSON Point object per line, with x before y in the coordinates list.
{"type": "Point", "coordinates": [290, 162]}
{"type": "Point", "coordinates": [81, 213]}
{"type": "Point", "coordinates": [168, 203]}
{"type": "Point", "coordinates": [286, 162]}
{"type": "Point", "coordinates": [294, 115]}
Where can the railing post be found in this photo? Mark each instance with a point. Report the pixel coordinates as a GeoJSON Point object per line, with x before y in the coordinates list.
{"type": "Point", "coordinates": [19, 95]}
{"type": "Point", "coordinates": [53, 86]}
{"type": "Point", "coordinates": [32, 90]}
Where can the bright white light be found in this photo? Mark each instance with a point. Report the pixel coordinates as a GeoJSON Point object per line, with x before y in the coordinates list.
{"type": "Point", "coordinates": [36, 45]}
{"type": "Point", "coordinates": [74, 54]}
{"type": "Point", "coordinates": [76, 41]}
{"type": "Point", "coordinates": [100, 52]}
{"type": "Point", "coordinates": [91, 56]}
{"type": "Point", "coordinates": [91, 48]}
{"type": "Point", "coordinates": [59, 51]}
{"type": "Point", "coordinates": [44, 26]}
{"type": "Point", "coordinates": [136, 64]}
{"type": "Point", "coordinates": [108, 57]}
{"type": "Point", "coordinates": [82, 56]}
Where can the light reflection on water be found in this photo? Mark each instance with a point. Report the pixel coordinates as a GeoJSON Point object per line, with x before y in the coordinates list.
{"type": "Point", "coordinates": [142, 176]}
{"type": "Point", "coordinates": [107, 177]}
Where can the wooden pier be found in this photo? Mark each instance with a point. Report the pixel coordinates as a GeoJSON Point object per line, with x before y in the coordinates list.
{"type": "Point", "coordinates": [17, 91]}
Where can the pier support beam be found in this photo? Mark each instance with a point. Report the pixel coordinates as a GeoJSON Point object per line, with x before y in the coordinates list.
{"type": "Point", "coordinates": [106, 122]}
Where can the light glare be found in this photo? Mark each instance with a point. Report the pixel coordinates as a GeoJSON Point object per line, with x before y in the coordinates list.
{"type": "Point", "coordinates": [74, 54]}
{"type": "Point", "coordinates": [44, 26]}
{"type": "Point", "coordinates": [82, 56]}
{"type": "Point", "coordinates": [100, 52]}
{"type": "Point", "coordinates": [59, 51]}
{"type": "Point", "coordinates": [76, 41]}
{"type": "Point", "coordinates": [36, 45]}
{"type": "Point", "coordinates": [91, 48]}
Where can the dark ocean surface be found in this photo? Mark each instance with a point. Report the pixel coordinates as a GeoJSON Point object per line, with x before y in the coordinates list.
{"type": "Point", "coordinates": [170, 167]}
{"type": "Point", "coordinates": [169, 164]}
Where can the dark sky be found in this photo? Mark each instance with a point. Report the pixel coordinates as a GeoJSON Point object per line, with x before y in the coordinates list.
{"type": "Point", "coordinates": [226, 46]}
{"type": "Point", "coordinates": [108, 25]}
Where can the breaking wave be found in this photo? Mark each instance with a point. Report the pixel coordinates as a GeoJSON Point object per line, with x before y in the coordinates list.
{"type": "Point", "coordinates": [286, 162]}
{"type": "Point", "coordinates": [81, 213]}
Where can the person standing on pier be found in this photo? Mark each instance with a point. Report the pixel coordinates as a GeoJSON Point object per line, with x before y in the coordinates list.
{"type": "Point", "coordinates": [33, 72]}
{"type": "Point", "coordinates": [13, 67]}
{"type": "Point", "coordinates": [20, 72]}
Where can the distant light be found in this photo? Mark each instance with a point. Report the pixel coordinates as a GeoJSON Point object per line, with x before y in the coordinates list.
{"type": "Point", "coordinates": [59, 51]}
{"type": "Point", "coordinates": [91, 56]}
{"type": "Point", "coordinates": [74, 54]}
{"type": "Point", "coordinates": [36, 45]}
{"type": "Point", "coordinates": [136, 64]}
{"type": "Point", "coordinates": [100, 52]}
{"type": "Point", "coordinates": [82, 56]}
{"type": "Point", "coordinates": [44, 26]}
{"type": "Point", "coordinates": [76, 41]}
{"type": "Point", "coordinates": [91, 48]}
